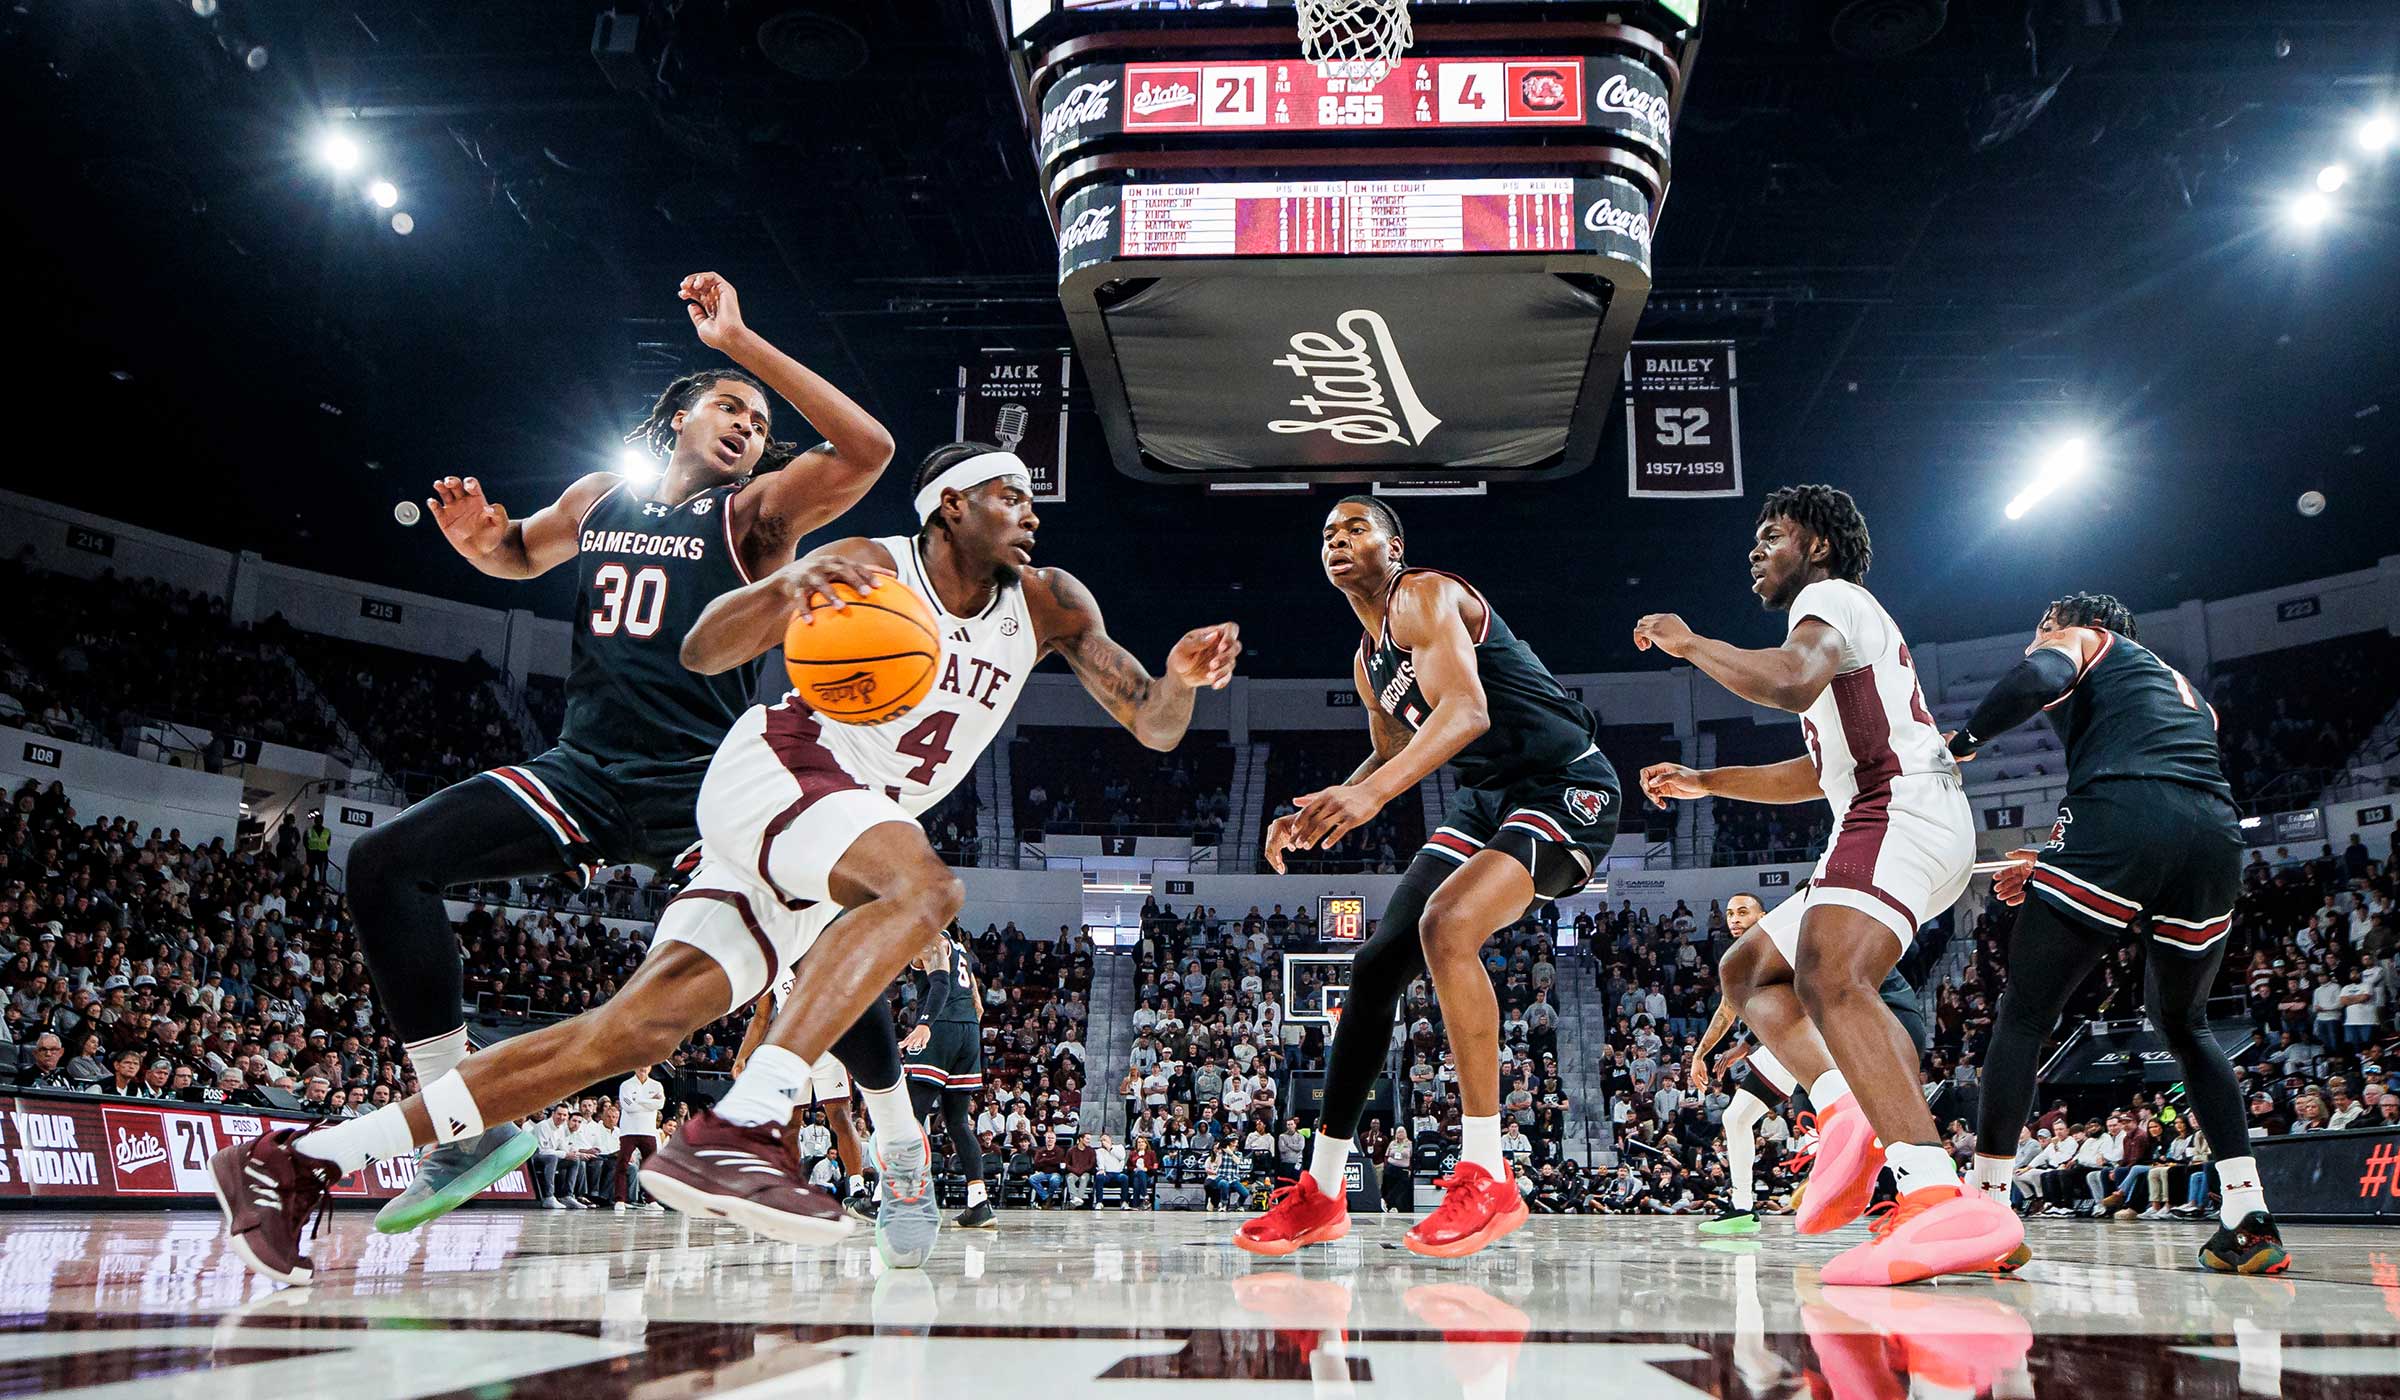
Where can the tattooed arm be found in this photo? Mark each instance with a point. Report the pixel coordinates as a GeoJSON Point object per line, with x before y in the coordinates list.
{"type": "Point", "coordinates": [1155, 709]}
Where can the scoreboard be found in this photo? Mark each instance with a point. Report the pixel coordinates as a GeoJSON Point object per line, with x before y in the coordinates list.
{"type": "Point", "coordinates": [1341, 918]}
{"type": "Point", "coordinates": [1350, 216]}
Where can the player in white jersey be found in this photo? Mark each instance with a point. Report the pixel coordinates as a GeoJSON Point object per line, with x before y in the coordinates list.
{"type": "Point", "coordinates": [1903, 847]}
{"type": "Point", "coordinates": [801, 822]}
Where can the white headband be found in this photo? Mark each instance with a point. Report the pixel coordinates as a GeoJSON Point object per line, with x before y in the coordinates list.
{"type": "Point", "coordinates": [966, 476]}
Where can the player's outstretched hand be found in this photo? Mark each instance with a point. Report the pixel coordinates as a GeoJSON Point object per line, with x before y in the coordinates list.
{"type": "Point", "coordinates": [1698, 1076]}
{"type": "Point", "coordinates": [715, 309]}
{"type": "Point", "coordinates": [1665, 631]}
{"type": "Point", "coordinates": [1661, 781]}
{"type": "Point", "coordinates": [2009, 882]}
{"type": "Point", "coordinates": [1204, 658]}
{"type": "Point", "coordinates": [1329, 815]}
{"type": "Point", "coordinates": [809, 582]}
{"type": "Point", "coordinates": [474, 526]}
{"type": "Point", "coordinates": [1282, 835]}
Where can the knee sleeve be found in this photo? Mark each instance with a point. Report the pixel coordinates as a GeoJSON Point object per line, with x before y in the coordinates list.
{"type": "Point", "coordinates": [870, 1050]}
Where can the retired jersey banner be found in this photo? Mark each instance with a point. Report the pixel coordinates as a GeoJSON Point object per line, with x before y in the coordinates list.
{"type": "Point", "coordinates": [1018, 399]}
{"type": "Point", "coordinates": [95, 1147]}
{"type": "Point", "coordinates": [1683, 425]}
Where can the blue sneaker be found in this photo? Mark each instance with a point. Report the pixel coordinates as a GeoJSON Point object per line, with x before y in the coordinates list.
{"type": "Point", "coordinates": [907, 1220]}
{"type": "Point", "coordinates": [449, 1176]}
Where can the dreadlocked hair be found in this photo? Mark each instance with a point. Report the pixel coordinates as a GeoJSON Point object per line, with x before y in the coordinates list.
{"type": "Point", "coordinates": [2094, 610]}
{"type": "Point", "coordinates": [656, 433]}
{"type": "Point", "coordinates": [942, 459]}
{"type": "Point", "coordinates": [1388, 517]}
{"type": "Point", "coordinates": [1829, 514]}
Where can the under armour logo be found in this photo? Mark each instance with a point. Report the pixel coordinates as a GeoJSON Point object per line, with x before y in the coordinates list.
{"type": "Point", "coordinates": [654, 508]}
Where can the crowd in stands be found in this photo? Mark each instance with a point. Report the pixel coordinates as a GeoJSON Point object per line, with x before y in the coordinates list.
{"type": "Point", "coordinates": [95, 659]}
{"type": "Point", "coordinates": [1102, 781]}
{"type": "Point", "coordinates": [1303, 761]}
{"type": "Point", "coordinates": [428, 721]}
{"type": "Point", "coordinates": [2301, 711]}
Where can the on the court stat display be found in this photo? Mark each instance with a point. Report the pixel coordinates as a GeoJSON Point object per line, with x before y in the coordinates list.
{"type": "Point", "coordinates": [1534, 214]}
{"type": "Point", "coordinates": [1341, 918]}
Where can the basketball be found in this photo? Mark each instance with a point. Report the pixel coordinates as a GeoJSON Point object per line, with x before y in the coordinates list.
{"type": "Point", "coordinates": [868, 662]}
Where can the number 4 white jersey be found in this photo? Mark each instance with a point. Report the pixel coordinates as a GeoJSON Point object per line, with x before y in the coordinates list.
{"type": "Point", "coordinates": [918, 758]}
{"type": "Point", "coordinates": [1869, 725]}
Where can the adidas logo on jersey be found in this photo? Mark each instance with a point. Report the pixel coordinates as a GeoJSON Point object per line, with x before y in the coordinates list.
{"type": "Point", "coordinates": [960, 636]}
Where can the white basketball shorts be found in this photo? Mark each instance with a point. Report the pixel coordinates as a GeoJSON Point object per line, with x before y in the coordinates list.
{"type": "Point", "coordinates": [1901, 854]}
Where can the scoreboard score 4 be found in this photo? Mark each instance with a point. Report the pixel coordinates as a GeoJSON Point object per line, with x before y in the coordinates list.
{"type": "Point", "coordinates": [1341, 918]}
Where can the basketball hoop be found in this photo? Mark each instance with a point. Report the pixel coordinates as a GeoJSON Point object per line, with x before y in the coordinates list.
{"type": "Point", "coordinates": [1354, 40]}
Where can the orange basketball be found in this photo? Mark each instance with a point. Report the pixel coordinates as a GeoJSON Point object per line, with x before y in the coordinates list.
{"type": "Point", "coordinates": [869, 662]}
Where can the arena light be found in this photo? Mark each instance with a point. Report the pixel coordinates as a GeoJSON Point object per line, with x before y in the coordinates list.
{"type": "Point", "coordinates": [383, 193]}
{"type": "Point", "coordinates": [2061, 465]}
{"type": "Point", "coordinates": [339, 152]}
{"type": "Point", "coordinates": [2333, 177]}
{"type": "Point", "coordinates": [2378, 132]}
{"type": "Point", "coordinates": [2307, 210]}
{"type": "Point", "coordinates": [637, 466]}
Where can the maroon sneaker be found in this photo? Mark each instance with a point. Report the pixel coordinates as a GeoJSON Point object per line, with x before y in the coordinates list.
{"type": "Point", "coordinates": [745, 1175]}
{"type": "Point", "coordinates": [268, 1189]}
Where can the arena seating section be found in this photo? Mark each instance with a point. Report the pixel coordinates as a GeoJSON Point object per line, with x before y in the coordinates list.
{"type": "Point", "coordinates": [1302, 761]}
{"type": "Point", "coordinates": [2292, 718]}
{"type": "Point", "coordinates": [1092, 780]}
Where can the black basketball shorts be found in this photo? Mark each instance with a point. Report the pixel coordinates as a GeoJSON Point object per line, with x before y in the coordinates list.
{"type": "Point", "coordinates": [2131, 850]}
{"type": "Point", "coordinates": [602, 813]}
{"type": "Point", "coordinates": [1559, 825]}
{"type": "Point", "coordinates": [951, 1059]}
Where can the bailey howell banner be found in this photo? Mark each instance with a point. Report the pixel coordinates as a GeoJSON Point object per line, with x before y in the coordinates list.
{"type": "Point", "coordinates": [1683, 425]}
{"type": "Point", "coordinates": [86, 1147]}
{"type": "Point", "coordinates": [1018, 399]}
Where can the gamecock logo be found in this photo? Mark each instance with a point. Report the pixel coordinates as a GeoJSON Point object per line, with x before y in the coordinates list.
{"type": "Point", "coordinates": [1543, 90]}
{"type": "Point", "coordinates": [1586, 805]}
{"type": "Point", "coordinates": [1345, 377]}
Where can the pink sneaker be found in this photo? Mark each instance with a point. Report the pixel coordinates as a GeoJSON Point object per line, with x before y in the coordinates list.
{"type": "Point", "coordinates": [1960, 1344]}
{"type": "Point", "coordinates": [1842, 1179]}
{"type": "Point", "coordinates": [1932, 1230]}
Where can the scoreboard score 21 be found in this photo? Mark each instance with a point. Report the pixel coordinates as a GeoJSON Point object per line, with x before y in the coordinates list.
{"type": "Point", "coordinates": [1341, 918]}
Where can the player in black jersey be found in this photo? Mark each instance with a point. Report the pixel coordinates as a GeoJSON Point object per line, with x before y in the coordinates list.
{"type": "Point", "coordinates": [640, 728]}
{"type": "Point", "coordinates": [1444, 681]}
{"type": "Point", "coordinates": [943, 1058]}
{"type": "Point", "coordinates": [2147, 838]}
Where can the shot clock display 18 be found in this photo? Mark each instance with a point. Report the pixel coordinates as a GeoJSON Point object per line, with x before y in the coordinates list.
{"type": "Point", "coordinates": [1341, 918]}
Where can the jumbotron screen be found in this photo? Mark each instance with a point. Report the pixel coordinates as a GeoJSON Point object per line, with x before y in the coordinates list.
{"type": "Point", "coordinates": [1268, 218]}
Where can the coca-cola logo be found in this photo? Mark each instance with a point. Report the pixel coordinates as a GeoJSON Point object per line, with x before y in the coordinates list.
{"type": "Point", "coordinates": [1152, 98]}
{"type": "Point", "coordinates": [138, 1150]}
{"type": "Point", "coordinates": [1346, 397]}
{"type": "Point", "coordinates": [1084, 102]}
{"type": "Point", "coordinates": [1644, 106]}
{"type": "Point", "coordinates": [1090, 226]}
{"type": "Point", "coordinates": [1605, 217]}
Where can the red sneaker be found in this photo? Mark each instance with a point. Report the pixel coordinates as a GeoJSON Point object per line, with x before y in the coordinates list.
{"type": "Point", "coordinates": [745, 1175]}
{"type": "Point", "coordinates": [1842, 1178]}
{"type": "Point", "coordinates": [1478, 1209]}
{"type": "Point", "coordinates": [268, 1189]}
{"type": "Point", "coordinates": [1298, 1214]}
{"type": "Point", "coordinates": [1932, 1230]}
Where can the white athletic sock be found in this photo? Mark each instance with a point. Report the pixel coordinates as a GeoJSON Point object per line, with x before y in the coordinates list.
{"type": "Point", "coordinates": [1741, 1148]}
{"type": "Point", "coordinates": [766, 1089]}
{"type": "Point", "coordinates": [377, 1137]}
{"type": "Point", "coordinates": [1327, 1156]}
{"type": "Point", "coordinates": [2237, 1177]}
{"type": "Point", "coordinates": [1827, 1089]}
{"type": "Point", "coordinates": [858, 1184]}
{"type": "Point", "coordinates": [1917, 1165]}
{"type": "Point", "coordinates": [437, 1055]}
{"type": "Point", "coordinates": [975, 1195]}
{"type": "Point", "coordinates": [1479, 1142]}
{"type": "Point", "coordinates": [894, 1119]}
{"type": "Point", "coordinates": [1992, 1175]}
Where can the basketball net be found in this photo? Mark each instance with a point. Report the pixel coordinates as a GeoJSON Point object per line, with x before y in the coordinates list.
{"type": "Point", "coordinates": [1354, 40]}
{"type": "Point", "coordinates": [1333, 1017]}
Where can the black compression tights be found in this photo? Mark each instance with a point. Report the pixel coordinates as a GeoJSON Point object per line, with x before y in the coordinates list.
{"type": "Point", "coordinates": [1381, 971]}
{"type": "Point", "coordinates": [921, 1097]}
{"type": "Point", "coordinates": [2048, 958]}
{"type": "Point", "coordinates": [396, 874]}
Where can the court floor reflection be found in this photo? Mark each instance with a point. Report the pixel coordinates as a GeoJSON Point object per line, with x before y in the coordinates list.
{"type": "Point", "coordinates": [1133, 1306]}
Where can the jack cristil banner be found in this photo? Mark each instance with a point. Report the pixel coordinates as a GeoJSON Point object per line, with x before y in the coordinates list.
{"type": "Point", "coordinates": [1018, 400]}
